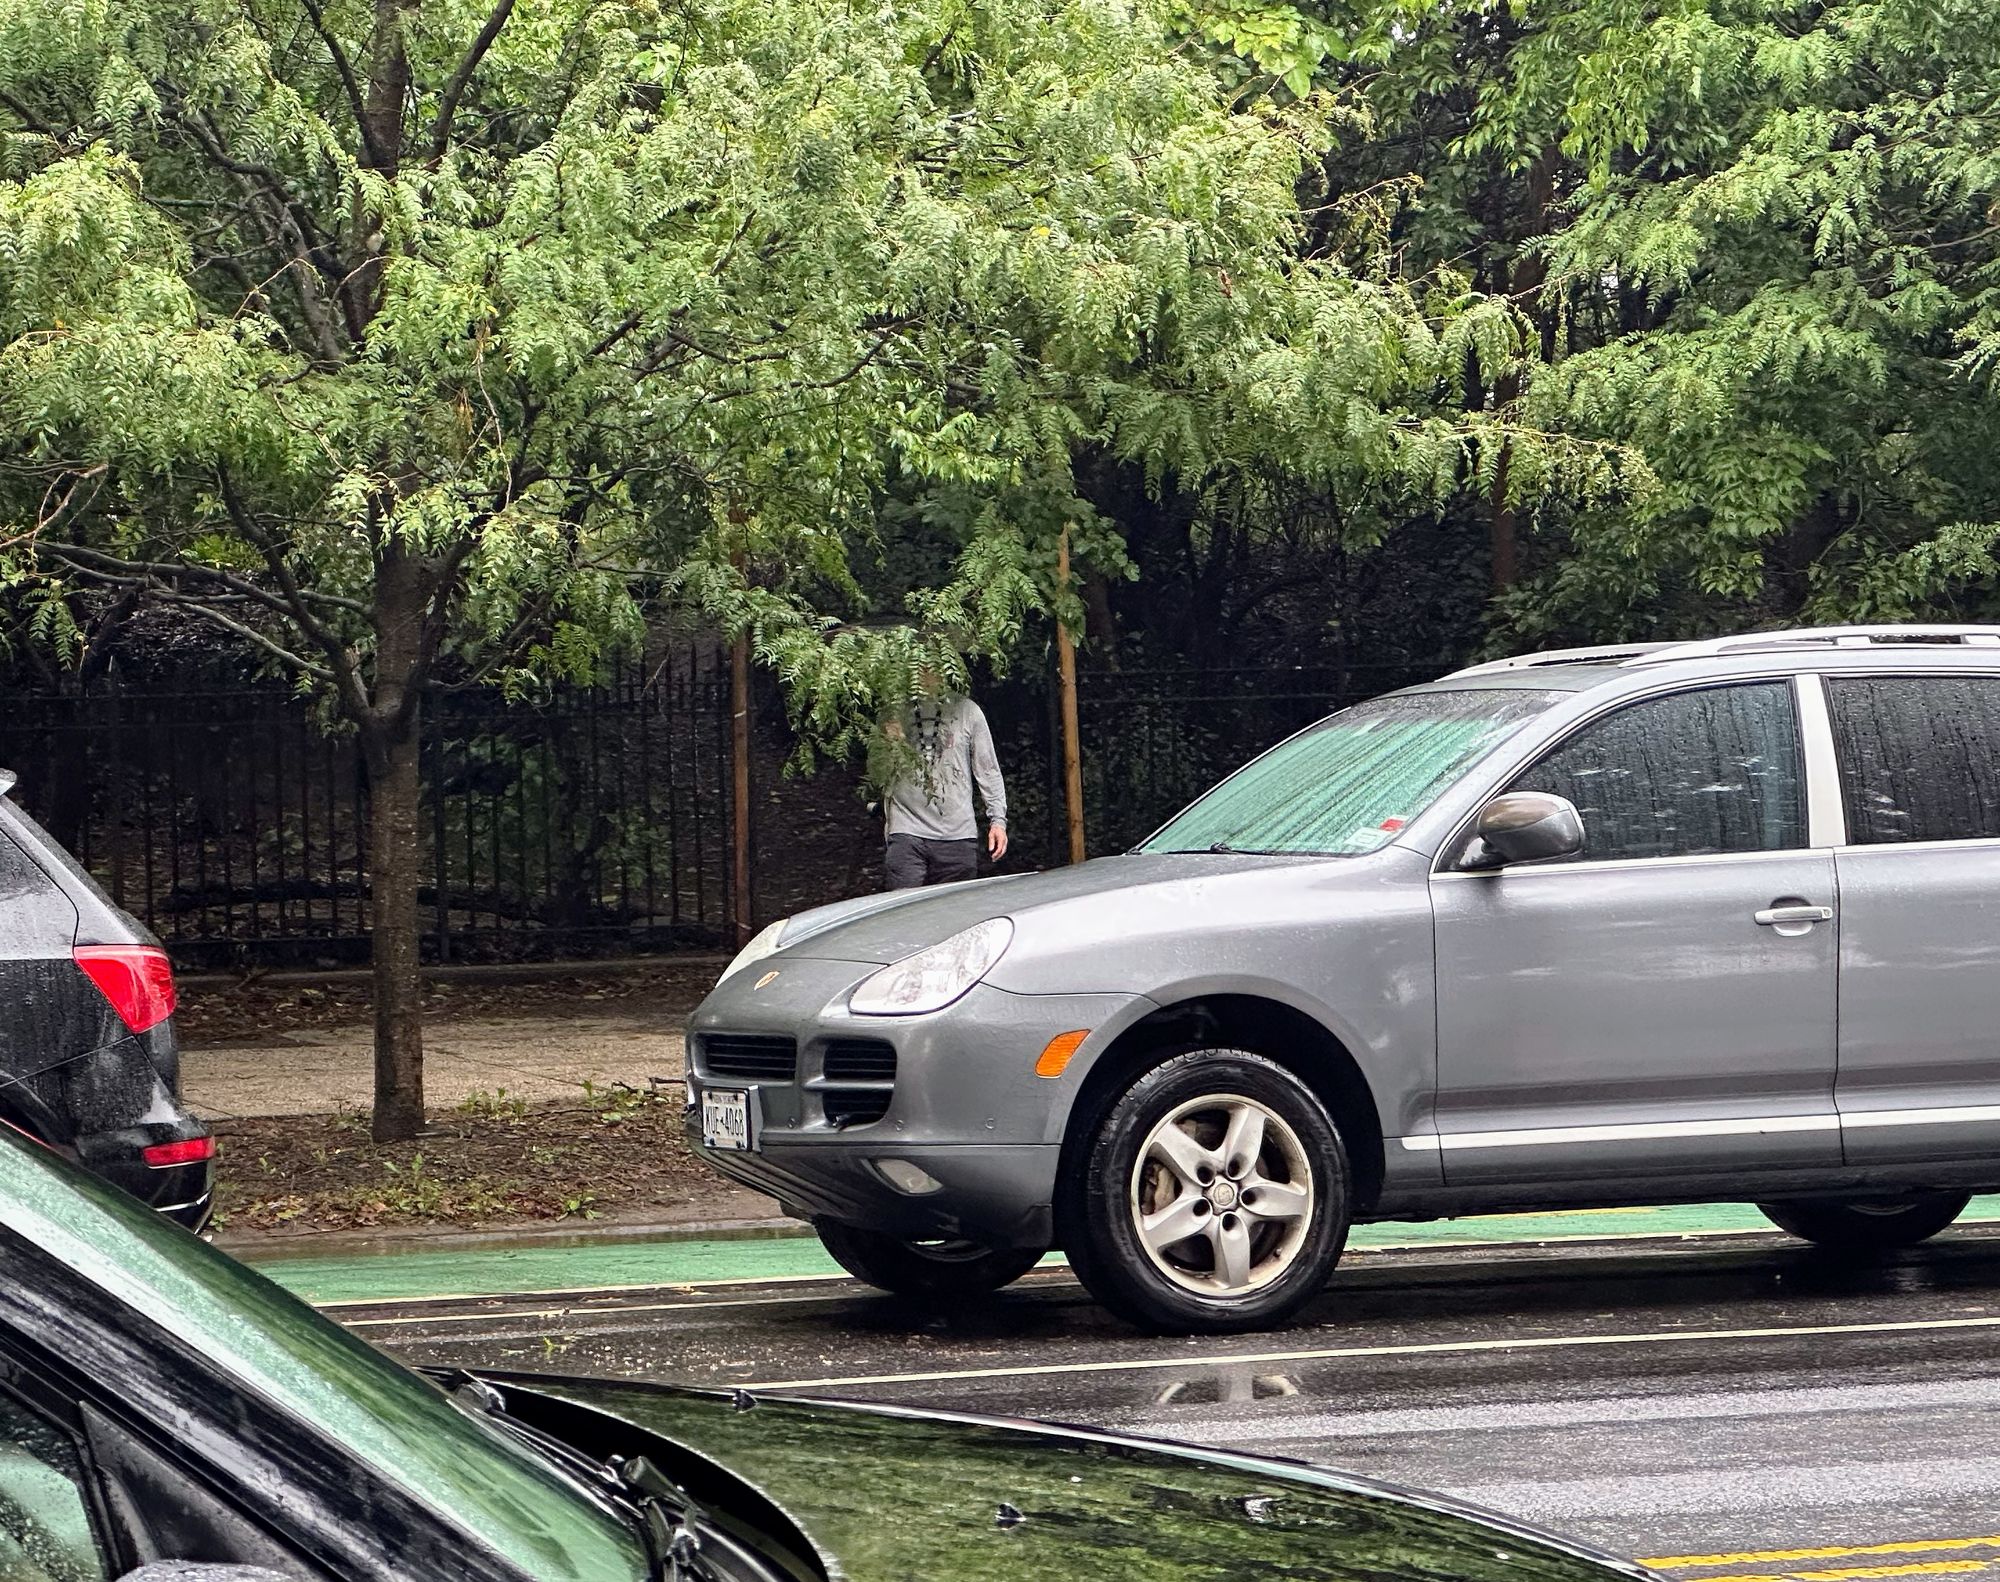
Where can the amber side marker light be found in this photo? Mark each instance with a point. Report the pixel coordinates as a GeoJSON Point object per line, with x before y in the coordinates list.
{"type": "Point", "coordinates": [1060, 1050]}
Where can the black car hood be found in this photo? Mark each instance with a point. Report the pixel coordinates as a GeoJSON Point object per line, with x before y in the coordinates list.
{"type": "Point", "coordinates": [891, 1494]}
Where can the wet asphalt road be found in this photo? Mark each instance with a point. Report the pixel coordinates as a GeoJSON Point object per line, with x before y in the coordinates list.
{"type": "Point", "coordinates": [1733, 1400]}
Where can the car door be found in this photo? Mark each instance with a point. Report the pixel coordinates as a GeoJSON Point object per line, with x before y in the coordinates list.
{"type": "Point", "coordinates": [1661, 1006]}
{"type": "Point", "coordinates": [1919, 760]}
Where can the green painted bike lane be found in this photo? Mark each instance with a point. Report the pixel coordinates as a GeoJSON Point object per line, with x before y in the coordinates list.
{"type": "Point", "coordinates": [538, 1266]}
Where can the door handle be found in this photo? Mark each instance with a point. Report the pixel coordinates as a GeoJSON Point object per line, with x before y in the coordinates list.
{"type": "Point", "coordinates": [1773, 916]}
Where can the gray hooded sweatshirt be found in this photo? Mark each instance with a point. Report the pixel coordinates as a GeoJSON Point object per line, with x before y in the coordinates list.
{"type": "Point", "coordinates": [957, 748]}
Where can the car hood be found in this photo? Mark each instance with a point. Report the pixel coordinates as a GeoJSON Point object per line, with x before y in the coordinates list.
{"type": "Point", "coordinates": [892, 1494]}
{"type": "Point", "coordinates": [890, 926]}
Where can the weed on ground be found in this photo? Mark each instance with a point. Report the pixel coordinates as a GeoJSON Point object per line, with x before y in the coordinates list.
{"type": "Point", "coordinates": [494, 1159]}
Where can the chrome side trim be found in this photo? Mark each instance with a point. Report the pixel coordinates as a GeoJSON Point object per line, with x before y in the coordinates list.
{"type": "Point", "coordinates": [1528, 870]}
{"type": "Point", "coordinates": [1642, 1131]}
{"type": "Point", "coordinates": [1652, 1131]}
{"type": "Point", "coordinates": [1826, 813]}
{"type": "Point", "coordinates": [1959, 1115]}
{"type": "Point", "coordinates": [1891, 847]}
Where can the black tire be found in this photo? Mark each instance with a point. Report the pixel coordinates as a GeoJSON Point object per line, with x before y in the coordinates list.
{"type": "Point", "coordinates": [1867, 1227]}
{"type": "Point", "coordinates": [926, 1270]}
{"type": "Point", "coordinates": [1182, 1287]}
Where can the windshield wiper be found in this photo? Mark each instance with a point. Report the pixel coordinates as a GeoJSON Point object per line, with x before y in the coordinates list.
{"type": "Point", "coordinates": [671, 1523]}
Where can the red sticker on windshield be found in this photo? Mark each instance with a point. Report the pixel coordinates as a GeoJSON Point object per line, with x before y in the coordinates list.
{"type": "Point", "coordinates": [1391, 825]}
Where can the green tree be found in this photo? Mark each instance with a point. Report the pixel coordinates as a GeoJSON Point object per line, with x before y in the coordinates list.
{"type": "Point", "coordinates": [405, 339]}
{"type": "Point", "coordinates": [1794, 209]}
{"type": "Point", "coordinates": [1753, 242]}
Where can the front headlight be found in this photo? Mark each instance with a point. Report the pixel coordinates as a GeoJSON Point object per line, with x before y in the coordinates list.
{"type": "Point", "coordinates": [931, 979]}
{"type": "Point", "coordinates": [763, 945]}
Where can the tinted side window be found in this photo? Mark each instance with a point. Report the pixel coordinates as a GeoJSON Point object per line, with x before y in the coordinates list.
{"type": "Point", "coordinates": [19, 877]}
{"type": "Point", "coordinates": [1693, 774]}
{"type": "Point", "coordinates": [46, 1534]}
{"type": "Point", "coordinates": [1919, 756]}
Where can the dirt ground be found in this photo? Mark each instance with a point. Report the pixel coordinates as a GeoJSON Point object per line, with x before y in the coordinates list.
{"type": "Point", "coordinates": [618, 1156]}
{"type": "Point", "coordinates": [614, 1152]}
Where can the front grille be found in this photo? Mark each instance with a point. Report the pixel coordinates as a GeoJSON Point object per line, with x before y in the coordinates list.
{"type": "Point", "coordinates": [860, 1060]}
{"type": "Point", "coordinates": [856, 1106]}
{"type": "Point", "coordinates": [753, 1057]}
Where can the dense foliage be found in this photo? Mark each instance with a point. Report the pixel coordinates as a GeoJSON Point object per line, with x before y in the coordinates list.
{"type": "Point", "coordinates": [1754, 240]}
{"type": "Point", "coordinates": [408, 342]}
{"type": "Point", "coordinates": [412, 343]}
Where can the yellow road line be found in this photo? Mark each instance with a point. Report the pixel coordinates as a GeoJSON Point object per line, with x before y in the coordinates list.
{"type": "Point", "coordinates": [1329, 1353]}
{"type": "Point", "coordinates": [1907, 1546]}
{"type": "Point", "coordinates": [1933, 1568]}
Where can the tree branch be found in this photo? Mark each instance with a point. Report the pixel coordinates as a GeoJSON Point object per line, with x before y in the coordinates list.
{"type": "Point", "coordinates": [249, 633]}
{"type": "Point", "coordinates": [342, 670]}
{"type": "Point", "coordinates": [461, 79]}
{"type": "Point", "coordinates": [153, 588]}
{"type": "Point", "coordinates": [28, 118]}
{"type": "Point", "coordinates": [348, 80]}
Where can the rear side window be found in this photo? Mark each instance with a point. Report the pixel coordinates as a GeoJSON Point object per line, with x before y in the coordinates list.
{"type": "Point", "coordinates": [20, 879]}
{"type": "Point", "coordinates": [1919, 756]}
{"type": "Point", "coordinates": [1700, 773]}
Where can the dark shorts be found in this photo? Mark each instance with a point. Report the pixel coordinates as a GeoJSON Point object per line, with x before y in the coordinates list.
{"type": "Point", "coordinates": [910, 861]}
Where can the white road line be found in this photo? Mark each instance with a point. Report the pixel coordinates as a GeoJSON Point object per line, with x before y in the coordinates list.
{"type": "Point", "coordinates": [579, 1291]}
{"type": "Point", "coordinates": [578, 1312]}
{"type": "Point", "coordinates": [1605, 1412]}
{"type": "Point", "coordinates": [1430, 1348]}
{"type": "Point", "coordinates": [1054, 1265]}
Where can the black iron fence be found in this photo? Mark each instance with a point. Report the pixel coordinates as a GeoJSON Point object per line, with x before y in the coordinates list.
{"type": "Point", "coordinates": [591, 822]}
{"type": "Point", "coordinates": [232, 821]}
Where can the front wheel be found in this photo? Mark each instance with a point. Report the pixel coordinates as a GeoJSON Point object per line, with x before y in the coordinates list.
{"type": "Point", "coordinates": [1868, 1227]}
{"type": "Point", "coordinates": [1214, 1197]}
{"type": "Point", "coordinates": [927, 1270]}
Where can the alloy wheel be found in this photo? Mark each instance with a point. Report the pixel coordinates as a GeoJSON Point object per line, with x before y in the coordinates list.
{"type": "Point", "coordinates": [1222, 1195]}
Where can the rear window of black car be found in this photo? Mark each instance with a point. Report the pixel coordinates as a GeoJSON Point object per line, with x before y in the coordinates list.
{"type": "Point", "coordinates": [42, 850]}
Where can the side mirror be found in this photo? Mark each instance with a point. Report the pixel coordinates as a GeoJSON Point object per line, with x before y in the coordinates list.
{"type": "Point", "coordinates": [1525, 826]}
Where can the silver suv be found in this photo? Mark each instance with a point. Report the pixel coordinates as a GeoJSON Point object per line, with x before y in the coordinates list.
{"type": "Point", "coordinates": [1650, 924]}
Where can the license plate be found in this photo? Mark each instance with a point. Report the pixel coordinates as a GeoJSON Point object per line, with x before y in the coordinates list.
{"type": "Point", "coordinates": [725, 1118]}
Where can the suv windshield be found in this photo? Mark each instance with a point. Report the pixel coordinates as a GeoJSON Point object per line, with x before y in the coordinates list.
{"type": "Point", "coordinates": [1348, 784]}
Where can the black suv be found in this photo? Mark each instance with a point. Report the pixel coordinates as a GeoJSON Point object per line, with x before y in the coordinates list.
{"type": "Point", "coordinates": [89, 1062]}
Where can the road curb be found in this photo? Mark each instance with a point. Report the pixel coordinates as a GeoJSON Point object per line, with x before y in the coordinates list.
{"type": "Point", "coordinates": [264, 1248]}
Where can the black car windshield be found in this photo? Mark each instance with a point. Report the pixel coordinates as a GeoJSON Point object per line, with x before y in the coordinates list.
{"type": "Point", "coordinates": [1348, 784]}
{"type": "Point", "coordinates": [380, 1412]}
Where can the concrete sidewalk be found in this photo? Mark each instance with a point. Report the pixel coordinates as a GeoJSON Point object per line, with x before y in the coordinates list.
{"type": "Point", "coordinates": [318, 1071]}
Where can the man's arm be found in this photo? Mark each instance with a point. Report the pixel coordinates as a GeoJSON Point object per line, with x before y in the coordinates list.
{"type": "Point", "coordinates": [986, 775]}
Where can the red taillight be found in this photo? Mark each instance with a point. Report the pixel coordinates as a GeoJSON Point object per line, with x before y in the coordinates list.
{"type": "Point", "coordinates": [138, 980]}
{"type": "Point", "coordinates": [193, 1151]}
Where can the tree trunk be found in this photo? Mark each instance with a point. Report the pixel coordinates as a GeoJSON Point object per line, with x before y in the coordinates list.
{"type": "Point", "coordinates": [392, 746]}
{"type": "Point", "coordinates": [395, 871]}
{"type": "Point", "coordinates": [1503, 530]}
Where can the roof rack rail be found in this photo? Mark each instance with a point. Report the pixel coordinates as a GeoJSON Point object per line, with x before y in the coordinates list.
{"type": "Point", "coordinates": [1906, 636]}
{"type": "Point", "coordinates": [1602, 654]}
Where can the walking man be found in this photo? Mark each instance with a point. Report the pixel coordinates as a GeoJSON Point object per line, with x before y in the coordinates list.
{"type": "Point", "coordinates": [933, 836]}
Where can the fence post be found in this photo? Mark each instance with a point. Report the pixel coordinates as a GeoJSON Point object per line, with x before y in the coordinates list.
{"type": "Point", "coordinates": [740, 903]}
{"type": "Point", "coordinates": [441, 904]}
{"type": "Point", "coordinates": [1072, 750]}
